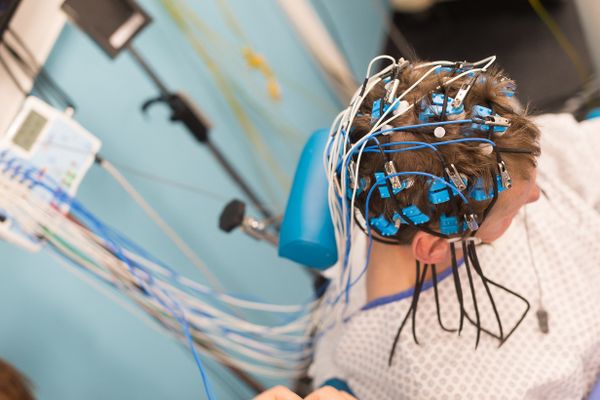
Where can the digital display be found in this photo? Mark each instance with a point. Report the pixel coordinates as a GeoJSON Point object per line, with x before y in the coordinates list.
{"type": "Point", "coordinates": [29, 130]}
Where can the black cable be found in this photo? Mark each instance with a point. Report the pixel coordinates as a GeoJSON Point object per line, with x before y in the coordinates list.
{"type": "Point", "coordinates": [483, 329]}
{"type": "Point", "coordinates": [12, 76]}
{"type": "Point", "coordinates": [363, 87]}
{"type": "Point", "coordinates": [391, 241]}
{"type": "Point", "coordinates": [409, 312]}
{"type": "Point", "coordinates": [169, 182]}
{"type": "Point", "coordinates": [471, 254]}
{"type": "Point", "coordinates": [495, 192]}
{"type": "Point", "coordinates": [43, 77]}
{"type": "Point", "coordinates": [513, 151]}
{"type": "Point", "coordinates": [457, 286]}
{"type": "Point", "coordinates": [475, 261]}
{"type": "Point", "coordinates": [437, 299]}
{"type": "Point", "coordinates": [417, 294]}
{"type": "Point", "coordinates": [474, 296]}
{"type": "Point", "coordinates": [26, 70]}
{"type": "Point", "coordinates": [444, 105]}
{"type": "Point", "coordinates": [443, 113]}
{"type": "Point", "coordinates": [397, 337]}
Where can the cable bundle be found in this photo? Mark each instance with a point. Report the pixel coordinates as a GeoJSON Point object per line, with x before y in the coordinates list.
{"type": "Point", "coordinates": [220, 325]}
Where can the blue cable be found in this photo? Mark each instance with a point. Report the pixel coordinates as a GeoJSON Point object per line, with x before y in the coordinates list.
{"type": "Point", "coordinates": [436, 144]}
{"type": "Point", "coordinates": [424, 125]}
{"type": "Point", "coordinates": [374, 149]}
{"type": "Point", "coordinates": [409, 127]}
{"type": "Point", "coordinates": [107, 232]}
{"type": "Point", "coordinates": [186, 329]}
{"type": "Point", "coordinates": [181, 320]}
{"type": "Point", "coordinates": [280, 346]}
{"type": "Point", "coordinates": [100, 229]}
{"type": "Point", "coordinates": [368, 227]}
{"type": "Point", "coordinates": [120, 238]}
{"type": "Point", "coordinates": [114, 241]}
{"type": "Point", "coordinates": [373, 137]}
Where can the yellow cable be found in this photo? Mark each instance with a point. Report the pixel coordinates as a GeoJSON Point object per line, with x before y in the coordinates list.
{"type": "Point", "coordinates": [257, 61]}
{"type": "Point", "coordinates": [229, 95]}
{"type": "Point", "coordinates": [562, 40]}
{"type": "Point", "coordinates": [225, 46]}
{"type": "Point", "coordinates": [267, 114]}
{"type": "Point", "coordinates": [254, 60]}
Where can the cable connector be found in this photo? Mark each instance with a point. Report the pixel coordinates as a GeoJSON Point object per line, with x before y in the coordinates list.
{"type": "Point", "coordinates": [390, 169]}
{"type": "Point", "coordinates": [504, 175]}
{"type": "Point", "coordinates": [542, 317]}
{"type": "Point", "coordinates": [460, 96]}
{"type": "Point", "coordinates": [471, 220]}
{"type": "Point", "coordinates": [352, 174]}
{"type": "Point", "coordinates": [499, 124]}
{"type": "Point", "coordinates": [497, 120]}
{"type": "Point", "coordinates": [393, 88]}
{"type": "Point", "coordinates": [456, 178]}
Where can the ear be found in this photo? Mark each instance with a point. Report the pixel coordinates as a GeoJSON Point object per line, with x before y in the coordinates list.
{"type": "Point", "coordinates": [430, 249]}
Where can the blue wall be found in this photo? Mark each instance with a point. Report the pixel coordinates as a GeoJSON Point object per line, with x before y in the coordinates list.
{"type": "Point", "coordinates": [75, 342]}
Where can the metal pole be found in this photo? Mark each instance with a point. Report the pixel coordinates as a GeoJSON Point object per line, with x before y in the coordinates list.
{"type": "Point", "coordinates": [189, 111]}
{"type": "Point", "coordinates": [148, 70]}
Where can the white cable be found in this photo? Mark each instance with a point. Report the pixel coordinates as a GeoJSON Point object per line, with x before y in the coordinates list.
{"type": "Point", "coordinates": [155, 216]}
{"type": "Point", "coordinates": [398, 99]}
{"type": "Point", "coordinates": [375, 59]}
{"type": "Point", "coordinates": [251, 305]}
{"type": "Point", "coordinates": [18, 198]}
{"type": "Point", "coordinates": [489, 61]}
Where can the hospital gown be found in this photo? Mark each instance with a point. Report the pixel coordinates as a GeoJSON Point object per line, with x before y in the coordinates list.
{"type": "Point", "coordinates": [564, 230]}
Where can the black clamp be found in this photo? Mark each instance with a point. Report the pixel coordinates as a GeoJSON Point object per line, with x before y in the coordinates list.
{"type": "Point", "coordinates": [183, 110]}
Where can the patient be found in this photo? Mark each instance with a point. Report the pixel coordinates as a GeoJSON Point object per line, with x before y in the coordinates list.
{"type": "Point", "coordinates": [439, 312]}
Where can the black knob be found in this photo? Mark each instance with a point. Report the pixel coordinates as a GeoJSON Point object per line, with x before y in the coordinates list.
{"type": "Point", "coordinates": [232, 215]}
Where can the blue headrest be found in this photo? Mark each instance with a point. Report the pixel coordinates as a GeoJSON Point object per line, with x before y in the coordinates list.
{"type": "Point", "coordinates": [306, 234]}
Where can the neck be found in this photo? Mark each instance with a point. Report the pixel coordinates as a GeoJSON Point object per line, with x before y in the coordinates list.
{"type": "Point", "coordinates": [392, 269]}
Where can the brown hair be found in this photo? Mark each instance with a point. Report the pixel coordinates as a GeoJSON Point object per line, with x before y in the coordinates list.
{"type": "Point", "coordinates": [489, 89]}
{"type": "Point", "coordinates": [13, 385]}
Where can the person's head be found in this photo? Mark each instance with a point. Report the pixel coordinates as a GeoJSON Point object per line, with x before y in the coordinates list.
{"type": "Point", "coordinates": [479, 165]}
{"type": "Point", "coordinates": [13, 385]}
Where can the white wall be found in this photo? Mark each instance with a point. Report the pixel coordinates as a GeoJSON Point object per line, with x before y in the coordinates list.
{"type": "Point", "coordinates": [37, 23]}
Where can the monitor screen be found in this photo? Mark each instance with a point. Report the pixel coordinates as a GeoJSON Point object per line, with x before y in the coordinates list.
{"type": "Point", "coordinates": [29, 131]}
